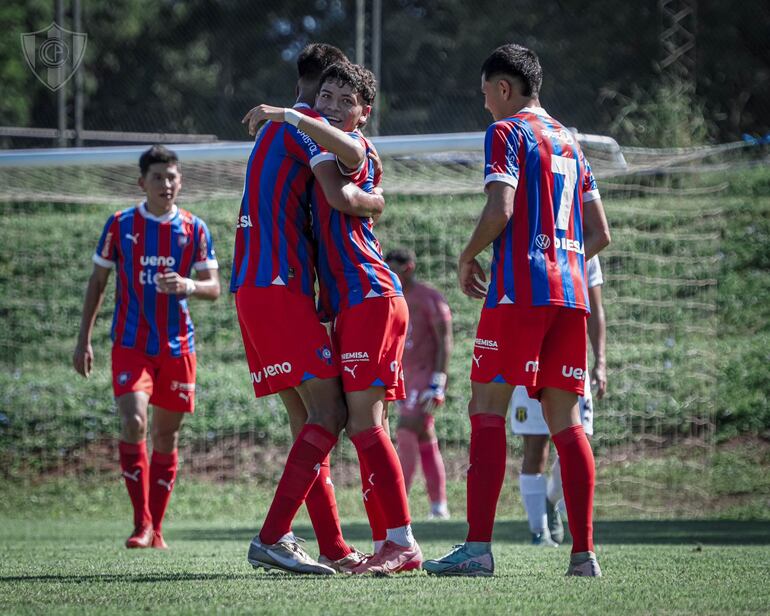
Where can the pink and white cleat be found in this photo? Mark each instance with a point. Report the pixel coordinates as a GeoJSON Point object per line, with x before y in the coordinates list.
{"type": "Point", "coordinates": [392, 558]}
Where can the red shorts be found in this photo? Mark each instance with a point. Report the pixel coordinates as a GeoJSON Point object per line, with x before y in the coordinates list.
{"type": "Point", "coordinates": [534, 346]}
{"type": "Point", "coordinates": [285, 342]}
{"type": "Point", "coordinates": [169, 381]}
{"type": "Point", "coordinates": [369, 341]}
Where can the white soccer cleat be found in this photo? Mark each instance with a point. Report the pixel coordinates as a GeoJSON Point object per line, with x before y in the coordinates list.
{"type": "Point", "coordinates": [285, 555]}
{"type": "Point", "coordinates": [543, 540]}
{"type": "Point", "coordinates": [584, 564]}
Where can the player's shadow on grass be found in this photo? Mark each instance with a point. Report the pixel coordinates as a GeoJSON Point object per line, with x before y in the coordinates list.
{"type": "Point", "coordinates": [662, 532]}
{"type": "Point", "coordinates": [123, 578]}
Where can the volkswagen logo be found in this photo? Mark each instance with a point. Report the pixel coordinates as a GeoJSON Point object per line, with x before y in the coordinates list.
{"type": "Point", "coordinates": [543, 242]}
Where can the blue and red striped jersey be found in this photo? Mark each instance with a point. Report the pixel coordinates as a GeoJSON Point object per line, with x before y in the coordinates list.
{"type": "Point", "coordinates": [538, 259]}
{"type": "Point", "coordinates": [273, 243]}
{"type": "Point", "coordinates": [140, 246]}
{"type": "Point", "coordinates": [349, 263]}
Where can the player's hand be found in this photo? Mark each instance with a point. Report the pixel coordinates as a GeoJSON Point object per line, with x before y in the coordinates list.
{"type": "Point", "coordinates": [262, 113]}
{"type": "Point", "coordinates": [433, 395]}
{"type": "Point", "coordinates": [377, 162]}
{"type": "Point", "coordinates": [83, 359]}
{"type": "Point", "coordinates": [473, 281]}
{"type": "Point", "coordinates": [599, 380]}
{"type": "Point", "coordinates": [171, 283]}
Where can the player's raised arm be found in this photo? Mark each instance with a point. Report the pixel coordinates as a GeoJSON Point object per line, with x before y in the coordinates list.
{"type": "Point", "coordinates": [597, 333]}
{"type": "Point", "coordinates": [494, 217]}
{"type": "Point", "coordinates": [83, 356]}
{"type": "Point", "coordinates": [344, 195]}
{"type": "Point", "coordinates": [349, 151]}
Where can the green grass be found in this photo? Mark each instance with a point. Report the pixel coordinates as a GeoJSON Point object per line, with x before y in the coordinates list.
{"type": "Point", "coordinates": [73, 562]}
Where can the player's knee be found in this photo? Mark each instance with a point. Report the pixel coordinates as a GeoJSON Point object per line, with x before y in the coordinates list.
{"type": "Point", "coordinates": [134, 425]}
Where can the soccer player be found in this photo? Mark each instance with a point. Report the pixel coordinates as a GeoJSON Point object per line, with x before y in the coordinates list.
{"type": "Point", "coordinates": [154, 247]}
{"type": "Point", "coordinates": [426, 362]}
{"type": "Point", "coordinates": [544, 216]}
{"type": "Point", "coordinates": [543, 496]}
{"type": "Point", "coordinates": [370, 315]}
{"type": "Point", "coordinates": [287, 348]}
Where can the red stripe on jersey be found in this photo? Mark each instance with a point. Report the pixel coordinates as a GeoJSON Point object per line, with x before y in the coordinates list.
{"type": "Point", "coordinates": [289, 226]}
{"type": "Point", "coordinates": [188, 258]}
{"type": "Point", "coordinates": [123, 282]}
{"type": "Point", "coordinates": [162, 301]}
{"type": "Point", "coordinates": [254, 180]}
{"type": "Point", "coordinates": [137, 250]}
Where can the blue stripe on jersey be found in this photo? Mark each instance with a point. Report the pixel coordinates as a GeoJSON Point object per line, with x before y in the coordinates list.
{"type": "Point", "coordinates": [151, 244]}
{"type": "Point", "coordinates": [132, 313]}
{"type": "Point", "coordinates": [239, 269]}
{"type": "Point", "coordinates": [578, 224]}
{"type": "Point", "coordinates": [371, 274]}
{"type": "Point", "coordinates": [355, 293]}
{"type": "Point", "coordinates": [302, 254]}
{"type": "Point", "coordinates": [493, 292]}
{"type": "Point", "coordinates": [538, 271]}
{"type": "Point", "coordinates": [562, 256]}
{"type": "Point", "coordinates": [175, 346]}
{"type": "Point", "coordinates": [283, 260]}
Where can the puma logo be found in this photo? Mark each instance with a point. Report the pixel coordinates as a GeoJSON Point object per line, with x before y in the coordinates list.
{"type": "Point", "coordinates": [351, 370]}
{"type": "Point", "coordinates": [371, 479]}
{"type": "Point", "coordinates": [134, 238]}
{"type": "Point", "coordinates": [166, 484]}
{"type": "Point", "coordinates": [184, 396]}
{"type": "Point", "coordinates": [133, 476]}
{"type": "Point", "coordinates": [477, 360]}
{"type": "Point", "coordinates": [366, 494]}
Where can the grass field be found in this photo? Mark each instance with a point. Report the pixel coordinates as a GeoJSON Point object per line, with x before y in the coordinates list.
{"type": "Point", "coordinates": [72, 561]}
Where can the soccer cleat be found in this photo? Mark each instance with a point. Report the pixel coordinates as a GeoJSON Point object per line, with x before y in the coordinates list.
{"type": "Point", "coordinates": [157, 541]}
{"type": "Point", "coordinates": [555, 525]}
{"type": "Point", "coordinates": [439, 511]}
{"type": "Point", "coordinates": [543, 540]}
{"type": "Point", "coordinates": [346, 564]}
{"type": "Point", "coordinates": [285, 555]}
{"type": "Point", "coordinates": [140, 538]}
{"type": "Point", "coordinates": [461, 562]}
{"type": "Point", "coordinates": [392, 558]}
{"type": "Point", "coordinates": [584, 564]}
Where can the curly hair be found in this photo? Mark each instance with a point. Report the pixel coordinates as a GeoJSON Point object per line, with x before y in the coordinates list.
{"type": "Point", "coordinates": [360, 79]}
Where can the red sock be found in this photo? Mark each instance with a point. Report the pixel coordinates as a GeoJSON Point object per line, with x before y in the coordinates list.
{"type": "Point", "coordinates": [578, 477]}
{"type": "Point", "coordinates": [372, 506]}
{"type": "Point", "coordinates": [133, 463]}
{"type": "Point", "coordinates": [485, 474]}
{"type": "Point", "coordinates": [162, 476]}
{"type": "Point", "coordinates": [408, 450]}
{"type": "Point", "coordinates": [435, 474]}
{"type": "Point", "coordinates": [384, 472]}
{"type": "Point", "coordinates": [322, 507]}
{"type": "Point", "coordinates": [302, 468]}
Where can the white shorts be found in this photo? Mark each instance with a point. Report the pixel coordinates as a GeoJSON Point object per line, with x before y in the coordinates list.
{"type": "Point", "coordinates": [527, 414]}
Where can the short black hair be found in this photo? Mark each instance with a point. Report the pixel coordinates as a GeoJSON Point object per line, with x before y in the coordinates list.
{"type": "Point", "coordinates": [156, 154]}
{"type": "Point", "coordinates": [317, 57]}
{"type": "Point", "coordinates": [515, 61]}
{"type": "Point", "coordinates": [360, 79]}
{"type": "Point", "coordinates": [401, 256]}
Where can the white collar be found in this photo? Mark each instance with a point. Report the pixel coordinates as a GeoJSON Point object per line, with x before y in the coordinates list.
{"type": "Point", "coordinates": [301, 106]}
{"type": "Point", "coordinates": [536, 110]}
{"type": "Point", "coordinates": [165, 218]}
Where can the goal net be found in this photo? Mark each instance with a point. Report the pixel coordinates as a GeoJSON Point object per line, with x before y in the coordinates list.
{"type": "Point", "coordinates": [653, 431]}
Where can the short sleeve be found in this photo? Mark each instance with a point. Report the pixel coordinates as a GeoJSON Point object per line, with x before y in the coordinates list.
{"type": "Point", "coordinates": [501, 153]}
{"type": "Point", "coordinates": [106, 254]}
{"type": "Point", "coordinates": [590, 190]}
{"type": "Point", "coordinates": [594, 273]}
{"type": "Point", "coordinates": [302, 147]}
{"type": "Point", "coordinates": [205, 258]}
